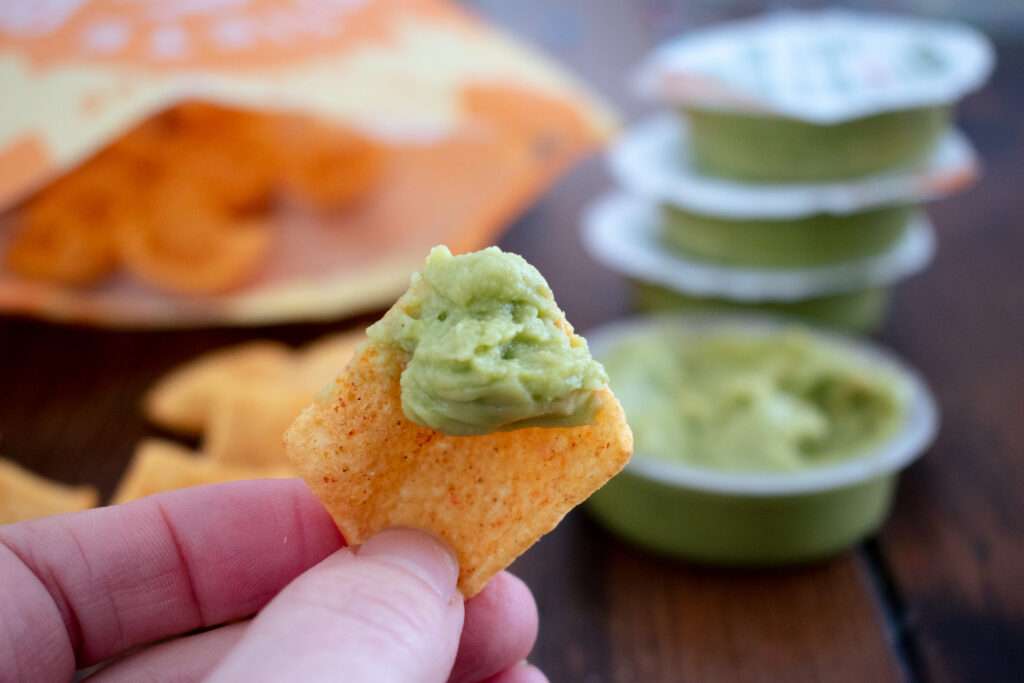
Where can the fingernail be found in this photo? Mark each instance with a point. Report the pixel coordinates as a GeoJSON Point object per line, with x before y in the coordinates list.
{"type": "Point", "coordinates": [418, 552]}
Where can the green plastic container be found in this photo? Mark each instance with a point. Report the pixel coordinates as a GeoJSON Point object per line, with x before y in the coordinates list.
{"type": "Point", "coordinates": [816, 240]}
{"type": "Point", "coordinates": [737, 529]}
{"type": "Point", "coordinates": [772, 149]}
{"type": "Point", "coordinates": [858, 312]}
{"type": "Point", "coordinates": [739, 518]}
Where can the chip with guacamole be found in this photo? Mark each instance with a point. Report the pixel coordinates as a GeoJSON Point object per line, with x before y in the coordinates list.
{"type": "Point", "coordinates": [776, 402]}
{"type": "Point", "coordinates": [472, 411]}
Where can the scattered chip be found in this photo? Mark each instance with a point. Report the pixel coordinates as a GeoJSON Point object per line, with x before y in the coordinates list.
{"type": "Point", "coordinates": [318, 362]}
{"type": "Point", "coordinates": [181, 399]}
{"type": "Point", "coordinates": [241, 399]}
{"type": "Point", "coordinates": [159, 465]}
{"type": "Point", "coordinates": [26, 495]}
{"type": "Point", "coordinates": [248, 417]}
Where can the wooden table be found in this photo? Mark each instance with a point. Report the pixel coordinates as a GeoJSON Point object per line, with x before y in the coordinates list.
{"type": "Point", "coordinates": [937, 596]}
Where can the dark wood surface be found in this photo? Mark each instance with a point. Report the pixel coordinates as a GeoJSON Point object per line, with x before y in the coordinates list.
{"type": "Point", "coordinates": [937, 596]}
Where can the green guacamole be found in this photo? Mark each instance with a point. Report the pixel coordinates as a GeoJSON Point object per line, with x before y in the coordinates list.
{"type": "Point", "coordinates": [779, 402]}
{"type": "Point", "coordinates": [483, 350]}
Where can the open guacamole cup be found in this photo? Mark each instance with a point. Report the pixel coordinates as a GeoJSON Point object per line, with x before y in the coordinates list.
{"type": "Point", "coordinates": [751, 508]}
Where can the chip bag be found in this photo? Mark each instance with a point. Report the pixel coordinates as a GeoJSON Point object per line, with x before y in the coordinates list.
{"type": "Point", "coordinates": [264, 160]}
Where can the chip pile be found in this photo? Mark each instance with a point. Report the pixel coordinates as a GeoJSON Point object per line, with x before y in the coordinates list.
{"type": "Point", "coordinates": [184, 201]}
{"type": "Point", "coordinates": [238, 401]}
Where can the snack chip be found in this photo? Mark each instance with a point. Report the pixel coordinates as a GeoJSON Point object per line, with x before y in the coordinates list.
{"type": "Point", "coordinates": [319, 361]}
{"type": "Point", "coordinates": [227, 153]}
{"type": "Point", "coordinates": [490, 496]}
{"type": "Point", "coordinates": [240, 400]}
{"type": "Point", "coordinates": [324, 166]}
{"type": "Point", "coordinates": [160, 465]}
{"type": "Point", "coordinates": [67, 233]}
{"type": "Point", "coordinates": [247, 419]}
{"type": "Point", "coordinates": [191, 247]}
{"type": "Point", "coordinates": [181, 399]}
{"type": "Point", "coordinates": [26, 495]}
{"type": "Point", "coordinates": [183, 200]}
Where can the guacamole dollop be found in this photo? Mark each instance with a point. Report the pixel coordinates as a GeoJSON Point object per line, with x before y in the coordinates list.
{"type": "Point", "coordinates": [779, 402]}
{"type": "Point", "coordinates": [484, 348]}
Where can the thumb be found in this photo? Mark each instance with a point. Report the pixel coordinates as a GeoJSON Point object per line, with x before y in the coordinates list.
{"type": "Point", "coordinates": [385, 611]}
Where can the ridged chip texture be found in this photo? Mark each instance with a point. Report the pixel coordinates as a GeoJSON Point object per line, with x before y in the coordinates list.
{"type": "Point", "coordinates": [490, 497]}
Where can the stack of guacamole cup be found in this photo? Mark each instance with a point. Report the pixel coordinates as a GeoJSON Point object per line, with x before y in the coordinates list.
{"type": "Point", "coordinates": [790, 169]}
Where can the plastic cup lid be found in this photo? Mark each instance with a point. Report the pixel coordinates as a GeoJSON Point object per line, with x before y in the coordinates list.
{"type": "Point", "coordinates": [652, 159]}
{"type": "Point", "coordinates": [910, 441]}
{"type": "Point", "coordinates": [622, 232]}
{"type": "Point", "coordinates": [821, 66]}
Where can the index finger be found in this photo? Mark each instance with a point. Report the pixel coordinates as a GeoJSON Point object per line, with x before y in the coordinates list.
{"type": "Point", "coordinates": [79, 588]}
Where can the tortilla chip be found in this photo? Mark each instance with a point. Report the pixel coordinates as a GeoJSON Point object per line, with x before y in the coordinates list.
{"type": "Point", "coordinates": [318, 362]}
{"type": "Point", "coordinates": [241, 399]}
{"type": "Point", "coordinates": [181, 399]}
{"type": "Point", "coordinates": [248, 414]}
{"type": "Point", "coordinates": [325, 165]}
{"type": "Point", "coordinates": [490, 497]}
{"type": "Point", "coordinates": [223, 152]}
{"type": "Point", "coordinates": [248, 417]}
{"type": "Point", "coordinates": [160, 465]}
{"type": "Point", "coordinates": [190, 246]}
{"type": "Point", "coordinates": [66, 232]}
{"type": "Point", "coordinates": [26, 495]}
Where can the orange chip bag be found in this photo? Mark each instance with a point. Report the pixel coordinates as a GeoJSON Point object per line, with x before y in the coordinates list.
{"type": "Point", "coordinates": [373, 130]}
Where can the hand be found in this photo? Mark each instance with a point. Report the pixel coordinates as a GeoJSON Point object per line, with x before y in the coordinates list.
{"type": "Point", "coordinates": [122, 582]}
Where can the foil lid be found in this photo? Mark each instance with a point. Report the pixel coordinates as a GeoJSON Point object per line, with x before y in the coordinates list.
{"type": "Point", "coordinates": [623, 233]}
{"type": "Point", "coordinates": [652, 160]}
{"type": "Point", "coordinates": [819, 66]}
